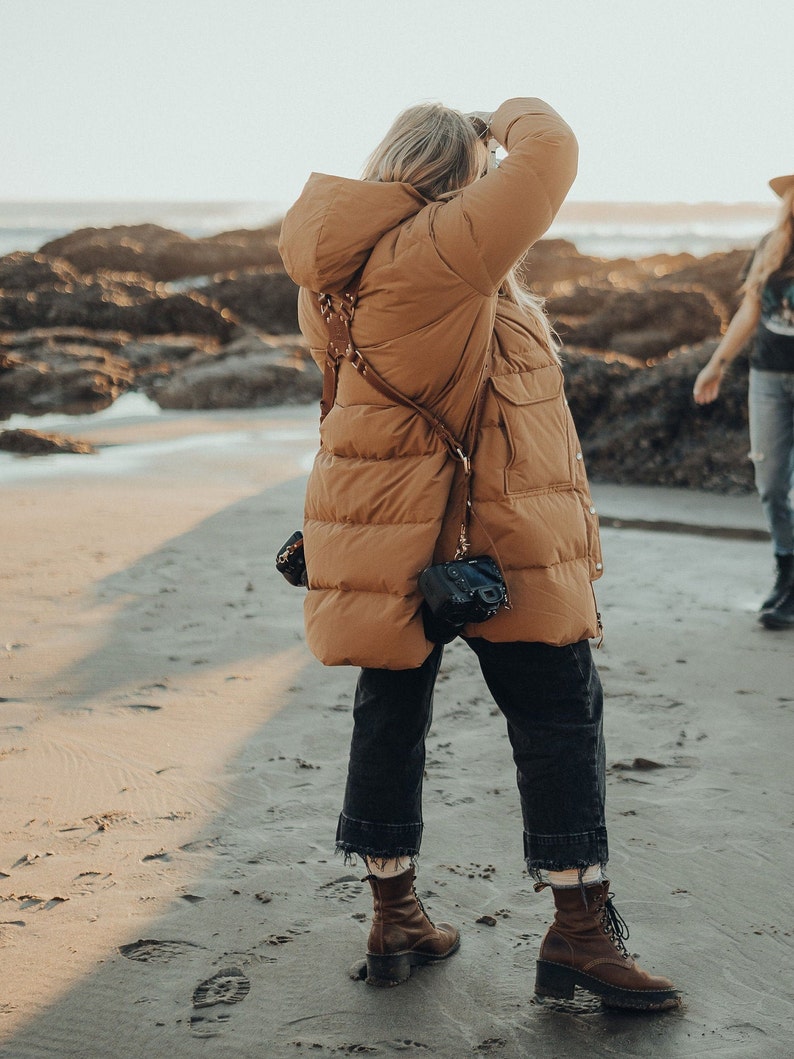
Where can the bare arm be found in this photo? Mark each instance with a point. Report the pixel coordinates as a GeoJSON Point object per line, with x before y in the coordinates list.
{"type": "Point", "coordinates": [740, 331]}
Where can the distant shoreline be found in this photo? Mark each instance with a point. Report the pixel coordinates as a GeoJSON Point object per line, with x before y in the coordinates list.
{"type": "Point", "coordinates": [601, 229]}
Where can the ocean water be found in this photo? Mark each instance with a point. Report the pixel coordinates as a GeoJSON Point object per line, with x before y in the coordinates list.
{"type": "Point", "coordinates": [264, 430]}
{"type": "Point", "coordinates": [643, 229]}
{"type": "Point", "coordinates": [606, 230]}
{"type": "Point", "coordinates": [29, 225]}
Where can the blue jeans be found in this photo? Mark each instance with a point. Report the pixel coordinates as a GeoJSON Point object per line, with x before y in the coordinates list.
{"type": "Point", "coordinates": [552, 700]}
{"type": "Point", "coordinates": [771, 403]}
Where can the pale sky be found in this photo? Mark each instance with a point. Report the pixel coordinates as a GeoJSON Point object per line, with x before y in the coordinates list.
{"type": "Point", "coordinates": [672, 100]}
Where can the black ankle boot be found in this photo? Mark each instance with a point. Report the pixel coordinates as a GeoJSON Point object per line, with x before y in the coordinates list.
{"type": "Point", "coordinates": [783, 581]}
{"type": "Point", "coordinates": [782, 615]}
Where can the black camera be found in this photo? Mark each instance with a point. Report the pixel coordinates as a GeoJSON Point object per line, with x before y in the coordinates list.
{"type": "Point", "coordinates": [459, 592]}
{"type": "Point", "coordinates": [291, 560]}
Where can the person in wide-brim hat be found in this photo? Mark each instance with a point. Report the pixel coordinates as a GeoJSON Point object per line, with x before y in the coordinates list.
{"type": "Point", "coordinates": [767, 315]}
{"type": "Point", "coordinates": [781, 184]}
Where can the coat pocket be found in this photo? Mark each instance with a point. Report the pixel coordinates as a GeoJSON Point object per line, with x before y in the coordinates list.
{"type": "Point", "coordinates": [537, 426]}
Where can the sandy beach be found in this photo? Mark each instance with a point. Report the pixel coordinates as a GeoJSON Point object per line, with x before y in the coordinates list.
{"type": "Point", "coordinates": [173, 759]}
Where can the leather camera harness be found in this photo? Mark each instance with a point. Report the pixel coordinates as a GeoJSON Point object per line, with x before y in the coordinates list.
{"type": "Point", "coordinates": [341, 347]}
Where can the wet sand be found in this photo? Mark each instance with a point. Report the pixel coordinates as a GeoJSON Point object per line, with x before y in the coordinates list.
{"type": "Point", "coordinates": [172, 763]}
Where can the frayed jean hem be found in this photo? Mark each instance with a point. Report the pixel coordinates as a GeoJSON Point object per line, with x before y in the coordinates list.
{"type": "Point", "coordinates": [377, 841]}
{"type": "Point", "coordinates": [563, 852]}
{"type": "Point", "coordinates": [378, 860]}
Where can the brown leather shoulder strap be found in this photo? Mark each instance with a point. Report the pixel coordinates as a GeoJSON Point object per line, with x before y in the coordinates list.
{"type": "Point", "coordinates": [340, 345]}
{"type": "Point", "coordinates": [339, 338]}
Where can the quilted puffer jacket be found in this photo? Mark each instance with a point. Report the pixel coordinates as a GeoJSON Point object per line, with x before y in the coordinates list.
{"type": "Point", "coordinates": [384, 498]}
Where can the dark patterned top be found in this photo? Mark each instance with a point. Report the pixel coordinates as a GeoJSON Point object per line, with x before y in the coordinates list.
{"type": "Point", "coordinates": [774, 338]}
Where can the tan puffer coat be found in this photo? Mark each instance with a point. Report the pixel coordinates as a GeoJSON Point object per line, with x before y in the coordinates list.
{"type": "Point", "coordinates": [384, 497]}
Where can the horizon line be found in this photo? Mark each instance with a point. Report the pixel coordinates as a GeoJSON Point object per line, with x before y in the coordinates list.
{"type": "Point", "coordinates": [102, 200]}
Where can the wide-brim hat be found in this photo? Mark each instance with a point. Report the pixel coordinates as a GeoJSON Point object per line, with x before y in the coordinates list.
{"type": "Point", "coordinates": [781, 184]}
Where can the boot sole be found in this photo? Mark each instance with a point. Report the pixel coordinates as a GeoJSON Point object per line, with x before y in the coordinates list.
{"type": "Point", "coordinates": [395, 967]}
{"type": "Point", "coordinates": [769, 621]}
{"type": "Point", "coordinates": [558, 982]}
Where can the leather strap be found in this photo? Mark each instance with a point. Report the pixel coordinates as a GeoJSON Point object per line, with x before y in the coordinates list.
{"type": "Point", "coordinates": [340, 346]}
{"type": "Point", "coordinates": [339, 339]}
{"type": "Point", "coordinates": [463, 536]}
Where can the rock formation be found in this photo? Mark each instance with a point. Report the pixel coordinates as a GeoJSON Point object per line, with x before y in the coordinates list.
{"type": "Point", "coordinates": [162, 254]}
{"type": "Point", "coordinates": [210, 323]}
{"type": "Point", "coordinates": [35, 443]}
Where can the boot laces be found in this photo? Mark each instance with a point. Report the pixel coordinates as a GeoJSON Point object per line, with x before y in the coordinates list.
{"type": "Point", "coordinates": [424, 910]}
{"type": "Point", "coordinates": [615, 926]}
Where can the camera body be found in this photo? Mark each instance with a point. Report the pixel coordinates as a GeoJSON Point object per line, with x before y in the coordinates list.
{"type": "Point", "coordinates": [291, 560]}
{"type": "Point", "coordinates": [456, 593]}
{"type": "Point", "coordinates": [463, 590]}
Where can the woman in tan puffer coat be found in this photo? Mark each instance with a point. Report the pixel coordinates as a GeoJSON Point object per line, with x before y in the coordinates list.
{"type": "Point", "coordinates": [432, 236]}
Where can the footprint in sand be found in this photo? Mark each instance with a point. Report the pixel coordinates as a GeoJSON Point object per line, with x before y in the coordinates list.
{"type": "Point", "coordinates": [345, 888]}
{"type": "Point", "coordinates": [227, 986]}
{"type": "Point", "coordinates": [147, 949]}
{"type": "Point", "coordinates": [201, 1026]}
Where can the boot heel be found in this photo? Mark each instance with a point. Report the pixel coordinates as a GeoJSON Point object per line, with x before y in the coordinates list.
{"type": "Point", "coordinates": [553, 980]}
{"type": "Point", "coordinates": [388, 970]}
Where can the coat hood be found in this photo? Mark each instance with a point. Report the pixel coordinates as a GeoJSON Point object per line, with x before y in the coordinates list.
{"type": "Point", "coordinates": [330, 231]}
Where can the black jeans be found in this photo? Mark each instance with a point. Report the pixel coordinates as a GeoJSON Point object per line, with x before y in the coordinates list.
{"type": "Point", "coordinates": [552, 700]}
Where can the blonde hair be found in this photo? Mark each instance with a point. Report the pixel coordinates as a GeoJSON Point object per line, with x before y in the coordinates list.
{"type": "Point", "coordinates": [515, 291]}
{"type": "Point", "coordinates": [436, 150]}
{"type": "Point", "coordinates": [774, 249]}
{"type": "Point", "coordinates": [430, 147]}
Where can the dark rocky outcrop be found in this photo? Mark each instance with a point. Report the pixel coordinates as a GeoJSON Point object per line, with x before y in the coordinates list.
{"type": "Point", "coordinates": [554, 267]}
{"type": "Point", "coordinates": [212, 323]}
{"type": "Point", "coordinates": [641, 425]}
{"type": "Point", "coordinates": [63, 377]}
{"type": "Point", "coordinates": [552, 263]}
{"type": "Point", "coordinates": [717, 275]}
{"type": "Point", "coordinates": [109, 302]}
{"type": "Point", "coordinates": [23, 271]}
{"type": "Point", "coordinates": [162, 254]}
{"type": "Point", "coordinates": [265, 299]}
{"type": "Point", "coordinates": [248, 373]}
{"type": "Point", "coordinates": [35, 443]}
{"type": "Point", "coordinates": [645, 324]}
{"type": "Point", "coordinates": [153, 352]}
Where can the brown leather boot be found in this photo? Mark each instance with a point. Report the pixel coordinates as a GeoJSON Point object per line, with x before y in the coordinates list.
{"type": "Point", "coordinates": [584, 946]}
{"type": "Point", "coordinates": [402, 936]}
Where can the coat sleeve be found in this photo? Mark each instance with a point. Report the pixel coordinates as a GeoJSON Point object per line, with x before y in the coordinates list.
{"type": "Point", "coordinates": [489, 226]}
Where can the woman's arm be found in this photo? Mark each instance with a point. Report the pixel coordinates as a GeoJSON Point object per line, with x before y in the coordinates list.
{"type": "Point", "coordinates": [740, 331]}
{"type": "Point", "coordinates": [489, 226]}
